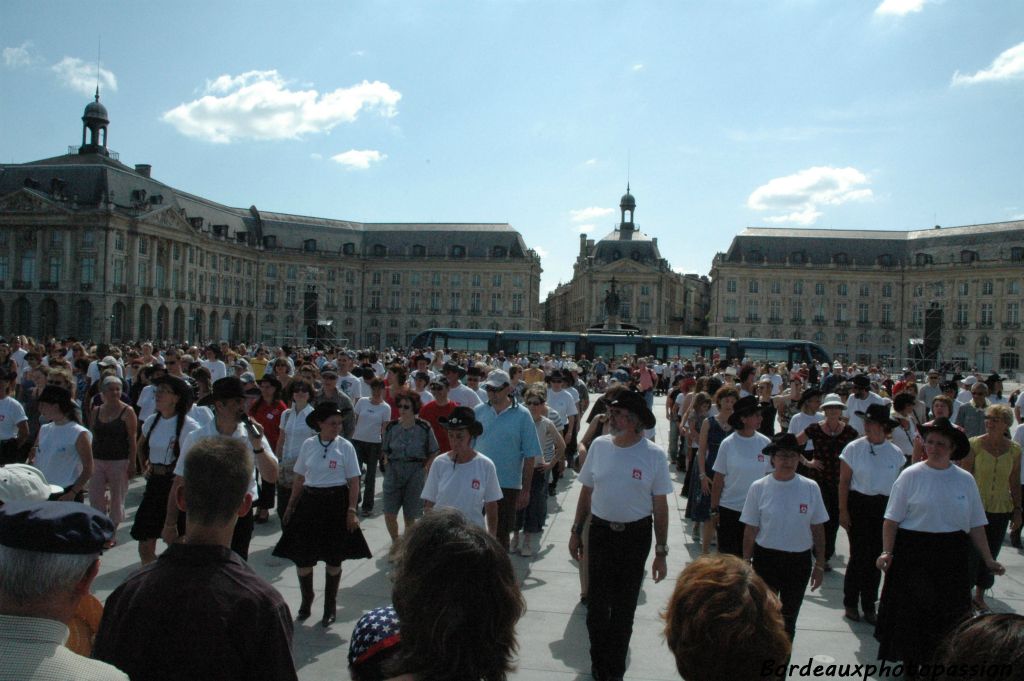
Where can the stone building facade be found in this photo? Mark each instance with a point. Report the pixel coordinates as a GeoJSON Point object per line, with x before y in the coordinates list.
{"type": "Point", "coordinates": [655, 299]}
{"type": "Point", "coordinates": [878, 296]}
{"type": "Point", "coordinates": [92, 248]}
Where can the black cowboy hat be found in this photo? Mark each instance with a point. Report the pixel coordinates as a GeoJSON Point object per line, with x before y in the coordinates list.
{"type": "Point", "coordinates": [961, 445]}
{"type": "Point", "coordinates": [783, 441]}
{"type": "Point", "coordinates": [745, 406]}
{"type": "Point", "coordinates": [861, 381]}
{"type": "Point", "coordinates": [556, 375]}
{"type": "Point", "coordinates": [322, 411]}
{"type": "Point", "coordinates": [180, 387]}
{"type": "Point", "coordinates": [55, 394]}
{"type": "Point", "coordinates": [878, 413]}
{"type": "Point", "coordinates": [634, 402]}
{"type": "Point", "coordinates": [995, 378]}
{"type": "Point", "coordinates": [453, 367]}
{"type": "Point", "coordinates": [462, 417]}
{"type": "Point", "coordinates": [227, 388]}
{"type": "Point", "coordinates": [808, 394]}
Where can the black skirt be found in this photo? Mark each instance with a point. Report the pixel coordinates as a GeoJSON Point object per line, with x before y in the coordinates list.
{"type": "Point", "coordinates": [926, 594]}
{"type": "Point", "coordinates": [149, 518]}
{"type": "Point", "coordinates": [318, 532]}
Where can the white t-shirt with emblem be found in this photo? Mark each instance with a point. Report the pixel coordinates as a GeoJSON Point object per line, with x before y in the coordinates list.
{"type": "Point", "coordinates": [926, 499]}
{"type": "Point", "coordinates": [783, 512]}
{"type": "Point", "coordinates": [874, 472]}
{"type": "Point", "coordinates": [328, 466]}
{"type": "Point", "coordinates": [465, 487]}
{"type": "Point", "coordinates": [11, 414]}
{"type": "Point", "coordinates": [370, 420]}
{"type": "Point", "coordinates": [625, 480]}
{"type": "Point", "coordinates": [742, 462]}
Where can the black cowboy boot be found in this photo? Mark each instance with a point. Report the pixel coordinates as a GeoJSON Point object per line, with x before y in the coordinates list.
{"type": "Point", "coordinates": [331, 599]}
{"type": "Point", "coordinates": [306, 589]}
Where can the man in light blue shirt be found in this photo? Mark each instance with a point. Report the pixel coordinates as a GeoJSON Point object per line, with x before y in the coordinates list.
{"type": "Point", "coordinates": [510, 441]}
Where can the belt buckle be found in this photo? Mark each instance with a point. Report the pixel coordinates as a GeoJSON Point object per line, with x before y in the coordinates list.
{"type": "Point", "coordinates": [617, 527]}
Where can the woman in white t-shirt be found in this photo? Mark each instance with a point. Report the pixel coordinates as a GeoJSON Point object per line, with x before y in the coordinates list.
{"type": "Point", "coordinates": [740, 463]}
{"type": "Point", "coordinates": [785, 518]}
{"type": "Point", "coordinates": [13, 420]}
{"type": "Point", "coordinates": [63, 450]}
{"type": "Point", "coordinates": [160, 441]}
{"type": "Point", "coordinates": [464, 479]}
{"type": "Point", "coordinates": [294, 432]}
{"type": "Point", "coordinates": [933, 515]}
{"type": "Point", "coordinates": [372, 414]}
{"type": "Point", "coordinates": [320, 522]}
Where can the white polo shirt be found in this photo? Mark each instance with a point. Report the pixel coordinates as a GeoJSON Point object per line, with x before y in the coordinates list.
{"type": "Point", "coordinates": [925, 499]}
{"type": "Point", "coordinates": [328, 466]}
{"type": "Point", "coordinates": [742, 462]}
{"type": "Point", "coordinates": [625, 480]}
{"type": "Point", "coordinates": [873, 474]}
{"type": "Point", "coordinates": [783, 512]}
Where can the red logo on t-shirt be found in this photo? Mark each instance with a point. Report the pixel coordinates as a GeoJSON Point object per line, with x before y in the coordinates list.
{"type": "Point", "coordinates": [332, 465]}
{"type": "Point", "coordinates": [803, 508]}
{"type": "Point", "coordinates": [638, 474]}
{"type": "Point", "coordinates": [476, 484]}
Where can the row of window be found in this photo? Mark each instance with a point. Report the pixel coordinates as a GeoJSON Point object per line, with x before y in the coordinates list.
{"type": "Point", "coordinates": [864, 290]}
{"type": "Point", "coordinates": [886, 260]}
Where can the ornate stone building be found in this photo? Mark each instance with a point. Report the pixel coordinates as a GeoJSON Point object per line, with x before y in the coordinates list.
{"type": "Point", "coordinates": [953, 294]}
{"type": "Point", "coordinates": [92, 248]}
{"type": "Point", "coordinates": [655, 299]}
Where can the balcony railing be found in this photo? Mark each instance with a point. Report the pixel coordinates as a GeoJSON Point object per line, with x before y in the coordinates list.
{"type": "Point", "coordinates": [22, 285]}
{"type": "Point", "coordinates": [797, 321]}
{"type": "Point", "coordinates": [775, 320]}
{"type": "Point", "coordinates": [1011, 325]}
{"type": "Point", "coordinates": [960, 325]}
{"type": "Point", "coordinates": [730, 320]}
{"type": "Point", "coordinates": [146, 290]}
{"type": "Point", "coordinates": [49, 285]}
{"type": "Point", "coordinates": [887, 325]}
{"type": "Point", "coordinates": [985, 325]}
{"type": "Point", "coordinates": [842, 322]}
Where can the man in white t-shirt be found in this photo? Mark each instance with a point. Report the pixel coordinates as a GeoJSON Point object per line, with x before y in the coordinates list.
{"type": "Point", "coordinates": [229, 420]}
{"type": "Point", "coordinates": [859, 400]}
{"type": "Point", "coordinates": [625, 482]}
{"type": "Point", "coordinates": [457, 392]}
{"type": "Point", "coordinates": [349, 383]}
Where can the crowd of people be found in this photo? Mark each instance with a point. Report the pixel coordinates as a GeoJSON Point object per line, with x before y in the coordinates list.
{"type": "Point", "coordinates": [774, 460]}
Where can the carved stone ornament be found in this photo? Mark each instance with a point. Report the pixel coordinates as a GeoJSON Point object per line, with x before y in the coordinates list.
{"type": "Point", "coordinates": [25, 202]}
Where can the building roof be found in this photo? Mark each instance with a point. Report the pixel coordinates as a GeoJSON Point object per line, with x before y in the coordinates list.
{"type": "Point", "coordinates": [779, 245]}
{"type": "Point", "coordinates": [95, 182]}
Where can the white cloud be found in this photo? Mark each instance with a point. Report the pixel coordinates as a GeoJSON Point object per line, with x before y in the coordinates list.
{"type": "Point", "coordinates": [20, 56]}
{"type": "Point", "coordinates": [584, 214]}
{"type": "Point", "coordinates": [82, 76]}
{"type": "Point", "coordinates": [356, 159]}
{"type": "Point", "coordinates": [1007, 66]}
{"type": "Point", "coordinates": [316, 156]}
{"type": "Point", "coordinates": [899, 8]}
{"type": "Point", "coordinates": [801, 194]}
{"type": "Point", "coordinates": [259, 105]}
{"type": "Point", "coordinates": [541, 251]}
{"type": "Point", "coordinates": [586, 229]}
{"type": "Point", "coordinates": [590, 162]}
{"type": "Point", "coordinates": [638, 67]}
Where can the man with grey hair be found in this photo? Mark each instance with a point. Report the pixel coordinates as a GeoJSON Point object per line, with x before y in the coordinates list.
{"type": "Point", "coordinates": [199, 611]}
{"type": "Point", "coordinates": [50, 555]}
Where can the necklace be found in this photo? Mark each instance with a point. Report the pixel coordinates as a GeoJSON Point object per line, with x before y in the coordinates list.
{"type": "Point", "coordinates": [325, 446]}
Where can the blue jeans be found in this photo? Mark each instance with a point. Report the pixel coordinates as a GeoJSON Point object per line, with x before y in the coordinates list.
{"type": "Point", "coordinates": [533, 516]}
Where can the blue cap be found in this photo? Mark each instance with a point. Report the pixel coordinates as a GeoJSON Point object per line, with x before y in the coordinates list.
{"type": "Point", "coordinates": [54, 527]}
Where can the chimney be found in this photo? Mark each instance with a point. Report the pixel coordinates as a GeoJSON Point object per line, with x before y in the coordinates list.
{"type": "Point", "coordinates": [143, 169]}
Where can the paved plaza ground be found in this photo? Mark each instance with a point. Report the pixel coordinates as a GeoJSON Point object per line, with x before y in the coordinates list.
{"type": "Point", "coordinates": [552, 635]}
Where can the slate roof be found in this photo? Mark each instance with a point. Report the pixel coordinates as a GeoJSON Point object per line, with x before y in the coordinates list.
{"type": "Point", "coordinates": [866, 247]}
{"type": "Point", "coordinates": [626, 242]}
{"type": "Point", "coordinates": [93, 181]}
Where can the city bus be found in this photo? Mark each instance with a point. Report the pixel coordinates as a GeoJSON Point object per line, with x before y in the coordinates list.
{"type": "Point", "coordinates": [607, 345]}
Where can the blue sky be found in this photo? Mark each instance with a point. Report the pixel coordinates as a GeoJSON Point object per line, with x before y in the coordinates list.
{"type": "Point", "coordinates": [881, 114]}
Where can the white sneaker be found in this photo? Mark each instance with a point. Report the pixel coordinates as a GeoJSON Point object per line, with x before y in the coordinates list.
{"type": "Point", "coordinates": [527, 547]}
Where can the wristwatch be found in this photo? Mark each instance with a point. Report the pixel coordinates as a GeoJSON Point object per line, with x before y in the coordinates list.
{"type": "Point", "coordinates": [661, 549]}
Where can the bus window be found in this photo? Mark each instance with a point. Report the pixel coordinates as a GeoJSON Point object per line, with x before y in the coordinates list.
{"type": "Point", "coordinates": [817, 354]}
{"type": "Point", "coordinates": [625, 349]}
{"type": "Point", "coordinates": [539, 347]}
{"type": "Point", "coordinates": [465, 344]}
{"type": "Point", "coordinates": [604, 350]}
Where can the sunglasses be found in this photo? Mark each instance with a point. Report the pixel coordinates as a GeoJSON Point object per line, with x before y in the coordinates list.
{"type": "Point", "coordinates": [492, 389]}
{"type": "Point", "coordinates": [534, 403]}
{"type": "Point", "coordinates": [405, 405]}
{"type": "Point", "coordinates": [300, 389]}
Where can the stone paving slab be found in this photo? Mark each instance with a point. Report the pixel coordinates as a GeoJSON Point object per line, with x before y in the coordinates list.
{"type": "Point", "coordinates": [552, 635]}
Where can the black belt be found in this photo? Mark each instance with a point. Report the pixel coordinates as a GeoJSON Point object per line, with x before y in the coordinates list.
{"type": "Point", "coordinates": [322, 491]}
{"type": "Point", "coordinates": [619, 527]}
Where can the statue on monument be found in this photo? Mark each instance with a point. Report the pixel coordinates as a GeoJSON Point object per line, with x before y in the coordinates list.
{"type": "Point", "coordinates": [612, 301]}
